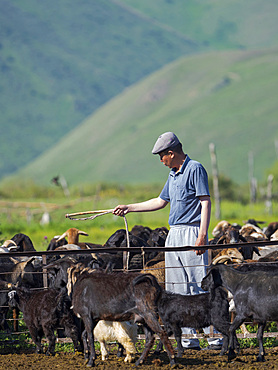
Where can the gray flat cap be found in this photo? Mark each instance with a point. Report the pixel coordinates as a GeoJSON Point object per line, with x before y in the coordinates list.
{"type": "Point", "coordinates": [165, 141]}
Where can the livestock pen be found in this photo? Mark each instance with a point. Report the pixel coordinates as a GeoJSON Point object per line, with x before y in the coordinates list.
{"type": "Point", "coordinates": [44, 256]}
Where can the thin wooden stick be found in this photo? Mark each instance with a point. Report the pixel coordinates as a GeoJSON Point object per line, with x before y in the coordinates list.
{"type": "Point", "coordinates": [68, 215]}
{"type": "Point", "coordinates": [126, 254]}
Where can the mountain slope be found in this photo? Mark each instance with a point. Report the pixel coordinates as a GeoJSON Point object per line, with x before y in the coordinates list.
{"type": "Point", "coordinates": [228, 98]}
{"type": "Point", "coordinates": [61, 60]}
{"type": "Point", "coordinates": [216, 23]}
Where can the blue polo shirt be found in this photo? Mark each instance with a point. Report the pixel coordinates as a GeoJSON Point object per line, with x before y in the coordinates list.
{"type": "Point", "coordinates": [182, 190]}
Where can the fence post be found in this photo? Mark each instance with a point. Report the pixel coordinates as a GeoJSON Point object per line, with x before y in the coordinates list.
{"type": "Point", "coordinates": [215, 181]}
{"type": "Point", "coordinates": [269, 194]}
{"type": "Point", "coordinates": [44, 271]}
{"type": "Point", "coordinates": [252, 179]}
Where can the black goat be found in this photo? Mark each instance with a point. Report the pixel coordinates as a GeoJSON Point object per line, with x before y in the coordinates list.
{"type": "Point", "coordinates": [271, 228]}
{"type": "Point", "coordinates": [43, 312]}
{"type": "Point", "coordinates": [142, 232]}
{"type": "Point", "coordinates": [254, 294]}
{"type": "Point", "coordinates": [23, 242]}
{"type": "Point", "coordinates": [114, 260]}
{"type": "Point", "coordinates": [195, 311]}
{"type": "Point", "coordinates": [119, 297]}
{"type": "Point", "coordinates": [55, 243]}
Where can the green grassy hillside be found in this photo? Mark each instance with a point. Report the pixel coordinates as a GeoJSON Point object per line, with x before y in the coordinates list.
{"type": "Point", "coordinates": [61, 60]}
{"type": "Point", "coordinates": [216, 23]}
{"type": "Point", "coordinates": [228, 98]}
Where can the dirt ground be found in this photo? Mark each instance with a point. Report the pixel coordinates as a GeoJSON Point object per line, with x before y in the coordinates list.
{"type": "Point", "coordinates": [190, 360]}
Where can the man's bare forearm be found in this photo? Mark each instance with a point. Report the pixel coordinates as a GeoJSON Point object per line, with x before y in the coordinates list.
{"type": "Point", "coordinates": [147, 206]}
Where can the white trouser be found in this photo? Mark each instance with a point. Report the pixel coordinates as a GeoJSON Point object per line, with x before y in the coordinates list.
{"type": "Point", "coordinates": [185, 271]}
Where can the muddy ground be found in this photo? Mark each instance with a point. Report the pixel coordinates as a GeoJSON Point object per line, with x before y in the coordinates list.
{"type": "Point", "coordinates": [11, 359]}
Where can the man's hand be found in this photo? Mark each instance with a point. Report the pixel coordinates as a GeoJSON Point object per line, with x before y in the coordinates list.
{"type": "Point", "coordinates": [201, 241]}
{"type": "Point", "coordinates": [120, 210]}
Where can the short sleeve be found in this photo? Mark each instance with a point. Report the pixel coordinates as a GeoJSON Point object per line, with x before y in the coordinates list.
{"type": "Point", "coordinates": [201, 181]}
{"type": "Point", "coordinates": [165, 192]}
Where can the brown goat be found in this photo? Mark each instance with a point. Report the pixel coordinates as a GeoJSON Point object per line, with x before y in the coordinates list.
{"type": "Point", "coordinates": [72, 236]}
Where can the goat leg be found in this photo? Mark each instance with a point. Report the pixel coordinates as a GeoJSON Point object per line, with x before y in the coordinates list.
{"type": "Point", "coordinates": [154, 325]}
{"type": "Point", "coordinates": [120, 352]}
{"type": "Point", "coordinates": [159, 347]}
{"type": "Point", "coordinates": [91, 353]}
{"type": "Point", "coordinates": [178, 336]}
{"type": "Point", "coordinates": [85, 344]}
{"type": "Point", "coordinates": [224, 328]}
{"type": "Point", "coordinates": [71, 331]}
{"type": "Point", "coordinates": [260, 333]}
{"type": "Point", "coordinates": [232, 333]}
{"type": "Point", "coordinates": [36, 337]}
{"type": "Point", "coordinates": [49, 333]}
{"type": "Point", "coordinates": [149, 341]}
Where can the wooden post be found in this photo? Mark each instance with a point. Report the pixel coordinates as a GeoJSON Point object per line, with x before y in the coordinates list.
{"type": "Point", "coordinates": [64, 186]}
{"type": "Point", "coordinates": [252, 180]}
{"type": "Point", "coordinates": [215, 181]}
{"type": "Point", "coordinates": [268, 202]}
{"type": "Point", "coordinates": [45, 284]}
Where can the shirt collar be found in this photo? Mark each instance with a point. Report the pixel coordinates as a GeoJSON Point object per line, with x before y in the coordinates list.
{"type": "Point", "coordinates": [174, 173]}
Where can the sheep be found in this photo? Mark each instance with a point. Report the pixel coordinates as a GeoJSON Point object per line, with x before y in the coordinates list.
{"type": "Point", "coordinates": [124, 332]}
{"type": "Point", "coordinates": [254, 294]}
{"type": "Point", "coordinates": [121, 296]}
{"type": "Point", "coordinates": [43, 312]}
{"type": "Point", "coordinates": [195, 311]}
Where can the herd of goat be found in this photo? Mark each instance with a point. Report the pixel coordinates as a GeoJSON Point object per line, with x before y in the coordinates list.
{"type": "Point", "coordinates": [92, 298]}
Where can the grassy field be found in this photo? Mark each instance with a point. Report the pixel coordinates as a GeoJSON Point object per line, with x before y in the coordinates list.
{"type": "Point", "coordinates": [23, 215]}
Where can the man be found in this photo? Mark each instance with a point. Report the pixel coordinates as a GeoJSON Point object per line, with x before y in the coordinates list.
{"type": "Point", "coordinates": [188, 194]}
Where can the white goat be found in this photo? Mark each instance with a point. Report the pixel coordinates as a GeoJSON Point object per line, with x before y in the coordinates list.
{"type": "Point", "coordinates": [124, 332]}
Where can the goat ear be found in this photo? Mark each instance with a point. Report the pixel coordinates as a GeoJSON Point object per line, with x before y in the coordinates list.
{"type": "Point", "coordinates": [220, 240]}
{"type": "Point", "coordinates": [242, 238]}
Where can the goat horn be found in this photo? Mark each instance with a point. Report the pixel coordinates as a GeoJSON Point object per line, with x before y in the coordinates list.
{"type": "Point", "coordinates": [80, 232]}
{"type": "Point", "coordinates": [220, 258]}
{"type": "Point", "coordinates": [61, 237]}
